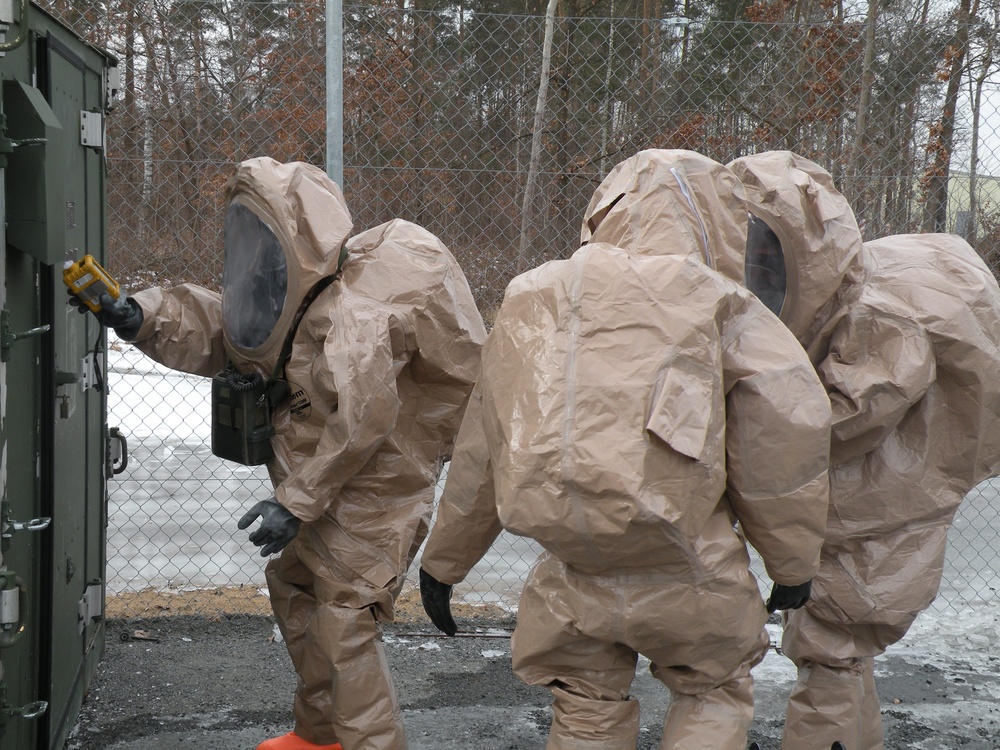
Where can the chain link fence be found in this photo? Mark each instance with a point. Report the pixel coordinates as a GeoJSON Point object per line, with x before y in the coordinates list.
{"type": "Point", "coordinates": [900, 101]}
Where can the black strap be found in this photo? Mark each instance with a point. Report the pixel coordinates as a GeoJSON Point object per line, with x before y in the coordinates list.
{"type": "Point", "coordinates": [286, 349]}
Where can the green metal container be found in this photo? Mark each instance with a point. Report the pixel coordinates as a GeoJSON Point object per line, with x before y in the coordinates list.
{"type": "Point", "coordinates": [54, 438]}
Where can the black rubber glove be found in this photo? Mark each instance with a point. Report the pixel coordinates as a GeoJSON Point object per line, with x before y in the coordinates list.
{"type": "Point", "coordinates": [277, 527]}
{"type": "Point", "coordinates": [788, 597]}
{"type": "Point", "coordinates": [122, 314]}
{"type": "Point", "coordinates": [436, 598]}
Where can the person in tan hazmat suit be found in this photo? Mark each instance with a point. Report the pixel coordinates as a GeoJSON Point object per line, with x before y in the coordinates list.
{"type": "Point", "coordinates": [904, 332]}
{"type": "Point", "coordinates": [383, 362]}
{"type": "Point", "coordinates": [636, 402]}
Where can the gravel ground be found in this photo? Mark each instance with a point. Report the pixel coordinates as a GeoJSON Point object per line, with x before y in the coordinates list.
{"type": "Point", "coordinates": [227, 684]}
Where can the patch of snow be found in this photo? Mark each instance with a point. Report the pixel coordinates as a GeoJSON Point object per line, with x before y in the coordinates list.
{"type": "Point", "coordinates": [939, 638]}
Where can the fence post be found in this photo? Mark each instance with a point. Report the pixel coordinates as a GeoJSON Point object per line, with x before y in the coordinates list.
{"type": "Point", "coordinates": [335, 91]}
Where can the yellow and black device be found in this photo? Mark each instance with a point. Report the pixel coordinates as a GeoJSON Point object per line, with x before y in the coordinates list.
{"type": "Point", "coordinates": [88, 281]}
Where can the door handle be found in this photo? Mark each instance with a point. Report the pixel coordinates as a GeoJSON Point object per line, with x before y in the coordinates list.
{"type": "Point", "coordinates": [8, 337]}
{"type": "Point", "coordinates": [117, 454]}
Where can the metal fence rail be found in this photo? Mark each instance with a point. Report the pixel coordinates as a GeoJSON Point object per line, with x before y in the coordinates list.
{"type": "Point", "coordinates": [901, 103]}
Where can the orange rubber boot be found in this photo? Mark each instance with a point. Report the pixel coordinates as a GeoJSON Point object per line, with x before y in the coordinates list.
{"type": "Point", "coordinates": [292, 741]}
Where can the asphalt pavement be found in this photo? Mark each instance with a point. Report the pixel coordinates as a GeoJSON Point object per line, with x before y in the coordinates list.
{"type": "Point", "coordinates": [228, 685]}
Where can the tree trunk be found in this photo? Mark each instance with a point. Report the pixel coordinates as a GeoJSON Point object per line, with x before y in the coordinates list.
{"type": "Point", "coordinates": [852, 191]}
{"type": "Point", "coordinates": [940, 145]}
{"type": "Point", "coordinates": [977, 99]}
{"type": "Point", "coordinates": [528, 208]}
{"type": "Point", "coordinates": [606, 123]}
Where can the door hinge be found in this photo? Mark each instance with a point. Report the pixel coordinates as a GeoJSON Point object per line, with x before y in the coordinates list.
{"type": "Point", "coordinates": [91, 606]}
{"type": "Point", "coordinates": [92, 129]}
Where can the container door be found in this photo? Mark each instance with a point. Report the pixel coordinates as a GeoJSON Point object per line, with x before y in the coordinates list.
{"type": "Point", "coordinates": [73, 382]}
{"type": "Point", "coordinates": [24, 337]}
{"type": "Point", "coordinates": [21, 631]}
{"type": "Point", "coordinates": [53, 398]}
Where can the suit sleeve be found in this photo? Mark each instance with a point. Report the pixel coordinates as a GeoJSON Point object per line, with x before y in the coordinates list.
{"type": "Point", "coordinates": [777, 445]}
{"type": "Point", "coordinates": [450, 335]}
{"type": "Point", "coordinates": [879, 365]}
{"type": "Point", "coordinates": [358, 373]}
{"type": "Point", "coordinates": [467, 522]}
{"type": "Point", "coordinates": [182, 328]}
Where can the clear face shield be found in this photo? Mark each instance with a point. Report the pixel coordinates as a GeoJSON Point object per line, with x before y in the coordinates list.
{"type": "Point", "coordinates": [254, 278]}
{"type": "Point", "coordinates": [765, 265]}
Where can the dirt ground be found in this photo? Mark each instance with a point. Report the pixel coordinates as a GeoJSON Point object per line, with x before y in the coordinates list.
{"type": "Point", "coordinates": [218, 603]}
{"type": "Point", "coordinates": [217, 677]}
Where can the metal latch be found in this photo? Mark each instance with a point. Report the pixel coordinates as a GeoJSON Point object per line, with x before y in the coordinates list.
{"type": "Point", "coordinates": [8, 145]}
{"type": "Point", "coordinates": [90, 606]}
{"type": "Point", "coordinates": [10, 525]}
{"type": "Point", "coordinates": [28, 711]}
{"type": "Point", "coordinates": [8, 337]}
{"type": "Point", "coordinates": [13, 608]}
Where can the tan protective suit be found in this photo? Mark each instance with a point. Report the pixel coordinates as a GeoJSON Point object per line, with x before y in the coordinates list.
{"type": "Point", "coordinates": [635, 403]}
{"type": "Point", "coordinates": [905, 334]}
{"type": "Point", "coordinates": [381, 370]}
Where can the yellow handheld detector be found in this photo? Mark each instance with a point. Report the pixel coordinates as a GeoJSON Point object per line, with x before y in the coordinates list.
{"type": "Point", "coordinates": [88, 281]}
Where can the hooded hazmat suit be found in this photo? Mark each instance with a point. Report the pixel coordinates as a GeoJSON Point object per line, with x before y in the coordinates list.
{"type": "Point", "coordinates": [635, 403]}
{"type": "Point", "coordinates": [380, 371]}
{"type": "Point", "coordinates": [904, 332]}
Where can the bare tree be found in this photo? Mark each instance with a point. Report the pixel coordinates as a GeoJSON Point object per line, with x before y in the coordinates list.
{"type": "Point", "coordinates": [986, 38]}
{"type": "Point", "coordinates": [939, 148]}
{"type": "Point", "coordinates": [864, 102]}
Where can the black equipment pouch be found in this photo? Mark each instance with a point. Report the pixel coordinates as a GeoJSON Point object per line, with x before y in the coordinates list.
{"type": "Point", "coordinates": [241, 415]}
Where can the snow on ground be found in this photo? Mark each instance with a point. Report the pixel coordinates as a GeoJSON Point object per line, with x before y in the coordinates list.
{"type": "Point", "coordinates": [937, 637]}
{"type": "Point", "coordinates": [147, 399]}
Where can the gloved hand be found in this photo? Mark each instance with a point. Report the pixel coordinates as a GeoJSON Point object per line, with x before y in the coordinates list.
{"type": "Point", "coordinates": [788, 597]}
{"type": "Point", "coordinates": [122, 314]}
{"type": "Point", "coordinates": [277, 527]}
{"type": "Point", "coordinates": [436, 598]}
